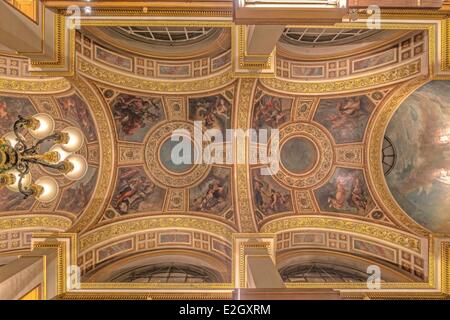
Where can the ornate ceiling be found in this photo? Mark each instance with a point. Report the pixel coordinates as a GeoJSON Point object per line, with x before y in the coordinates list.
{"type": "Point", "coordinates": [135, 207]}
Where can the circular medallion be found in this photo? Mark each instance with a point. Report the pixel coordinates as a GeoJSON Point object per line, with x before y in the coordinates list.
{"type": "Point", "coordinates": [165, 160]}
{"type": "Point", "coordinates": [306, 155]}
{"type": "Point", "coordinates": [166, 150]}
{"type": "Point", "coordinates": [298, 155]}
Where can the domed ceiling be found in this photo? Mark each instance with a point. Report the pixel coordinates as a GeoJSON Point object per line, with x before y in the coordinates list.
{"type": "Point", "coordinates": [420, 178]}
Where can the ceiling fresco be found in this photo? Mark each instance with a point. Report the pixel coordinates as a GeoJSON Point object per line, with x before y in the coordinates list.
{"type": "Point", "coordinates": [135, 202]}
{"type": "Point", "coordinates": [67, 109]}
{"type": "Point", "coordinates": [313, 176]}
{"type": "Point", "coordinates": [420, 179]}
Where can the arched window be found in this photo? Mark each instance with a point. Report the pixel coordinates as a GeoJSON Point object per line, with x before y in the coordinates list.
{"type": "Point", "coordinates": [321, 272]}
{"type": "Point", "coordinates": [168, 273]}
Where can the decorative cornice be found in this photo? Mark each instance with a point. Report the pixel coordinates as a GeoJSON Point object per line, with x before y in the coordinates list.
{"type": "Point", "coordinates": [23, 86]}
{"type": "Point", "coordinates": [126, 227]}
{"type": "Point", "coordinates": [142, 84]}
{"type": "Point", "coordinates": [370, 230]}
{"type": "Point", "coordinates": [394, 75]}
{"type": "Point", "coordinates": [35, 221]}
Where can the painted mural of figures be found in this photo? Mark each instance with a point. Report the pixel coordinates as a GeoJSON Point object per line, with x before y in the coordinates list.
{"type": "Point", "coordinates": [337, 201]}
{"type": "Point", "coordinates": [358, 198]}
{"type": "Point", "coordinates": [271, 112]}
{"type": "Point", "coordinates": [135, 192]}
{"type": "Point", "coordinates": [14, 201]}
{"type": "Point", "coordinates": [214, 112]}
{"type": "Point", "coordinates": [345, 118]}
{"type": "Point", "coordinates": [346, 192]}
{"type": "Point", "coordinates": [212, 194]}
{"type": "Point", "coordinates": [215, 195]}
{"type": "Point", "coordinates": [135, 115]}
{"type": "Point", "coordinates": [348, 113]}
{"type": "Point", "coordinates": [10, 109]}
{"type": "Point", "coordinates": [76, 198]}
{"type": "Point", "coordinates": [75, 109]}
{"type": "Point", "coordinates": [269, 197]}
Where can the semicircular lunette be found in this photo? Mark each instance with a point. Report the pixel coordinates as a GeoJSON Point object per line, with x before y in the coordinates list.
{"type": "Point", "coordinates": [420, 133]}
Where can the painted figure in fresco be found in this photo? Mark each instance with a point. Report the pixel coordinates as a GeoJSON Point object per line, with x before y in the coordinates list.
{"type": "Point", "coordinates": [212, 112]}
{"type": "Point", "coordinates": [337, 200]}
{"type": "Point", "coordinates": [358, 199]}
{"type": "Point", "coordinates": [3, 111]}
{"type": "Point", "coordinates": [10, 108]}
{"type": "Point", "coordinates": [134, 191]}
{"type": "Point", "coordinates": [78, 197]}
{"type": "Point", "coordinates": [355, 199]}
{"type": "Point", "coordinates": [134, 113]}
{"type": "Point", "coordinates": [269, 113]}
{"type": "Point", "coordinates": [269, 200]}
{"type": "Point", "coordinates": [72, 107]}
{"type": "Point", "coordinates": [347, 114]}
{"type": "Point", "coordinates": [215, 195]}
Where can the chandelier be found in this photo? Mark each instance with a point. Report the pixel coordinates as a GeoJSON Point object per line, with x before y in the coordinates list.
{"type": "Point", "coordinates": [17, 156]}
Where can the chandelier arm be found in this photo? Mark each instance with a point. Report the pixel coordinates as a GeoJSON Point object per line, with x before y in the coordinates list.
{"type": "Point", "coordinates": [52, 138]}
{"type": "Point", "coordinates": [57, 166]}
{"type": "Point", "coordinates": [24, 169]}
{"type": "Point", "coordinates": [18, 125]}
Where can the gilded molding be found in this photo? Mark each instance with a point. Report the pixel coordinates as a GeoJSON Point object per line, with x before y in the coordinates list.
{"type": "Point", "coordinates": [370, 230]}
{"type": "Point", "coordinates": [123, 285]}
{"type": "Point", "coordinates": [142, 84]}
{"type": "Point", "coordinates": [244, 107]}
{"type": "Point", "coordinates": [376, 175]}
{"type": "Point", "coordinates": [107, 160]}
{"type": "Point", "coordinates": [61, 262]}
{"type": "Point", "coordinates": [394, 75]}
{"type": "Point", "coordinates": [445, 267]}
{"type": "Point", "coordinates": [204, 295]}
{"type": "Point", "coordinates": [34, 86]}
{"type": "Point", "coordinates": [115, 230]}
{"type": "Point", "coordinates": [35, 221]}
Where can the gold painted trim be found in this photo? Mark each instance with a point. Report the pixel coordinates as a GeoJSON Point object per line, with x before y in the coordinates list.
{"type": "Point", "coordinates": [445, 267]}
{"type": "Point", "coordinates": [242, 53]}
{"type": "Point", "coordinates": [204, 295]}
{"type": "Point", "coordinates": [34, 86]}
{"type": "Point", "coordinates": [116, 230]}
{"type": "Point", "coordinates": [397, 74]}
{"type": "Point", "coordinates": [122, 286]}
{"type": "Point", "coordinates": [393, 236]}
{"type": "Point", "coordinates": [122, 80]}
{"type": "Point", "coordinates": [61, 262]}
{"type": "Point", "coordinates": [376, 131]}
{"type": "Point", "coordinates": [108, 160]}
{"type": "Point", "coordinates": [244, 106]}
{"type": "Point", "coordinates": [35, 221]}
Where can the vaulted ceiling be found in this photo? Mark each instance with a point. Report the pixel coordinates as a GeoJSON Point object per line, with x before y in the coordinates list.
{"type": "Point", "coordinates": [332, 99]}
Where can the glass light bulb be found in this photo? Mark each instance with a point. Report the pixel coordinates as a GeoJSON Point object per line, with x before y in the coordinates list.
{"type": "Point", "coordinates": [50, 189]}
{"type": "Point", "coordinates": [46, 126]}
{"type": "Point", "coordinates": [75, 139]}
{"type": "Point", "coordinates": [63, 154]}
{"type": "Point", "coordinates": [80, 167]}
{"type": "Point", "coordinates": [12, 139]}
{"type": "Point", "coordinates": [26, 181]}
